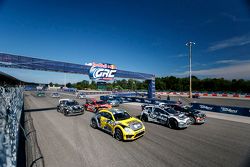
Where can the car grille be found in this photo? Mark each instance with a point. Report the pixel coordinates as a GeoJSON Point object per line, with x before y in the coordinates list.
{"type": "Point", "coordinates": [139, 134]}
{"type": "Point", "coordinates": [129, 136]}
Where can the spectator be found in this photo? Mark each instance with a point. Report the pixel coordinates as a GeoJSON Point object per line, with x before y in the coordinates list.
{"type": "Point", "coordinates": [168, 97]}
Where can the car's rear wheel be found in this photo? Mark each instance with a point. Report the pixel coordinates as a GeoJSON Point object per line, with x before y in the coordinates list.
{"type": "Point", "coordinates": [144, 118]}
{"type": "Point", "coordinates": [93, 123]}
{"type": "Point", "coordinates": [118, 134]}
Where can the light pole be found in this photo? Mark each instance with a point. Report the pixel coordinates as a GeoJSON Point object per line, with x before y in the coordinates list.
{"type": "Point", "coordinates": [189, 44]}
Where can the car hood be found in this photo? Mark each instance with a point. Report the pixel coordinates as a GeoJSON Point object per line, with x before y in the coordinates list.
{"type": "Point", "coordinates": [132, 122]}
{"type": "Point", "coordinates": [75, 107]}
{"type": "Point", "coordinates": [180, 115]}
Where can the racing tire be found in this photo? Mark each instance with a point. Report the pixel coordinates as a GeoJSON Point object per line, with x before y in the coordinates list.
{"type": "Point", "coordinates": [93, 123]}
{"type": "Point", "coordinates": [118, 134]}
{"type": "Point", "coordinates": [173, 124]}
{"type": "Point", "coordinates": [65, 113]}
{"type": "Point", "coordinates": [192, 119]}
{"type": "Point", "coordinates": [144, 118]}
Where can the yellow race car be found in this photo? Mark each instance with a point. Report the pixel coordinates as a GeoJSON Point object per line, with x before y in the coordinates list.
{"type": "Point", "coordinates": [119, 123]}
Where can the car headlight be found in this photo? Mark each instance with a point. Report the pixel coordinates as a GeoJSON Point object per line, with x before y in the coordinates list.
{"type": "Point", "coordinates": [128, 130]}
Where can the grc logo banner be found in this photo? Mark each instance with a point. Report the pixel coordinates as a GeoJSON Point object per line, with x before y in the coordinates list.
{"type": "Point", "coordinates": [101, 71]}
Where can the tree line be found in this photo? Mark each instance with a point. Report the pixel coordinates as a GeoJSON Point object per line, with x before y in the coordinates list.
{"type": "Point", "coordinates": [207, 84]}
{"type": "Point", "coordinates": [171, 83]}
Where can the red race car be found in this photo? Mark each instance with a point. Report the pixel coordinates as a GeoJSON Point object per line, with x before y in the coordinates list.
{"type": "Point", "coordinates": [93, 105]}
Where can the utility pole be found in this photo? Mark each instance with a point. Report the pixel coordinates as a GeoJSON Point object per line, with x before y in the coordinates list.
{"type": "Point", "coordinates": [189, 44]}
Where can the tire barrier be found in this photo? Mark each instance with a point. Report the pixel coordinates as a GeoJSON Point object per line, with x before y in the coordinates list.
{"type": "Point", "coordinates": [33, 153]}
{"type": "Point", "coordinates": [222, 109]}
{"type": "Point", "coordinates": [11, 105]}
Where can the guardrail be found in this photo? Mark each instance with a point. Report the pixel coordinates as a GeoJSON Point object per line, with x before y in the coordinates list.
{"type": "Point", "coordinates": [11, 105]}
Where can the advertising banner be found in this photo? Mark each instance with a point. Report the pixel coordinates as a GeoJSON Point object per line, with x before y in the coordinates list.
{"type": "Point", "coordinates": [102, 71]}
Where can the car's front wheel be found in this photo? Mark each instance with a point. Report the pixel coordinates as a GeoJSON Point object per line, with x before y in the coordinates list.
{"type": "Point", "coordinates": [65, 113]}
{"type": "Point", "coordinates": [118, 134]}
{"type": "Point", "coordinates": [173, 124]}
{"type": "Point", "coordinates": [192, 119]}
{"type": "Point", "coordinates": [93, 123]}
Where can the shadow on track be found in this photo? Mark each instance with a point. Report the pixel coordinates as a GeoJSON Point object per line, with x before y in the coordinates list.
{"type": "Point", "coordinates": [40, 109]}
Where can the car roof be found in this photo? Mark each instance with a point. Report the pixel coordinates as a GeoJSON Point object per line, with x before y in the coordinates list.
{"type": "Point", "coordinates": [116, 110]}
{"type": "Point", "coordinates": [64, 100]}
{"type": "Point", "coordinates": [113, 110]}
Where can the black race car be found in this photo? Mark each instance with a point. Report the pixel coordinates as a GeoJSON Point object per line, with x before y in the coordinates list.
{"type": "Point", "coordinates": [196, 117]}
{"type": "Point", "coordinates": [69, 107]}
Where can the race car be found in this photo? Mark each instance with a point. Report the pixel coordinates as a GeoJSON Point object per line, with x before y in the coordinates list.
{"type": "Point", "coordinates": [196, 117]}
{"type": "Point", "coordinates": [165, 116]}
{"type": "Point", "coordinates": [118, 123]}
{"type": "Point", "coordinates": [93, 105]}
{"type": "Point", "coordinates": [113, 102]}
{"type": "Point", "coordinates": [40, 94]}
{"type": "Point", "coordinates": [55, 95]}
{"type": "Point", "coordinates": [112, 97]}
{"type": "Point", "coordinates": [81, 95]}
{"type": "Point", "coordinates": [69, 107]}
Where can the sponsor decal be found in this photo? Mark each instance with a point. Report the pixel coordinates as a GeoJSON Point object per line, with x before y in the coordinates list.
{"type": "Point", "coordinates": [206, 107]}
{"type": "Point", "coordinates": [102, 71]}
{"type": "Point", "coordinates": [228, 110]}
{"type": "Point", "coordinates": [147, 101]}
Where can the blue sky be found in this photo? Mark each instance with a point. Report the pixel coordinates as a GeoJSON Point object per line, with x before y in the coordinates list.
{"type": "Point", "coordinates": [137, 35]}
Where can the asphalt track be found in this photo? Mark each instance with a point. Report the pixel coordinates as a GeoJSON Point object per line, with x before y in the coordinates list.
{"type": "Point", "coordinates": [71, 142]}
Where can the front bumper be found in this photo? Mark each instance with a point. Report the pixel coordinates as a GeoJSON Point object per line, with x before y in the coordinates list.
{"type": "Point", "coordinates": [115, 105]}
{"type": "Point", "coordinates": [137, 134]}
{"type": "Point", "coordinates": [75, 112]}
{"type": "Point", "coordinates": [199, 120]}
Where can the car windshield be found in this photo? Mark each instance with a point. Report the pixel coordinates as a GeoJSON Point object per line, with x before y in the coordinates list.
{"type": "Point", "coordinates": [100, 102]}
{"type": "Point", "coordinates": [81, 93]}
{"type": "Point", "coordinates": [121, 116]}
{"type": "Point", "coordinates": [55, 94]}
{"type": "Point", "coordinates": [188, 109]}
{"type": "Point", "coordinates": [71, 103]}
{"type": "Point", "coordinates": [171, 111]}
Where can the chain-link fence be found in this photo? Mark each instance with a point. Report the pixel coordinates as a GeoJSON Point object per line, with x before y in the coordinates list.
{"type": "Point", "coordinates": [11, 105]}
